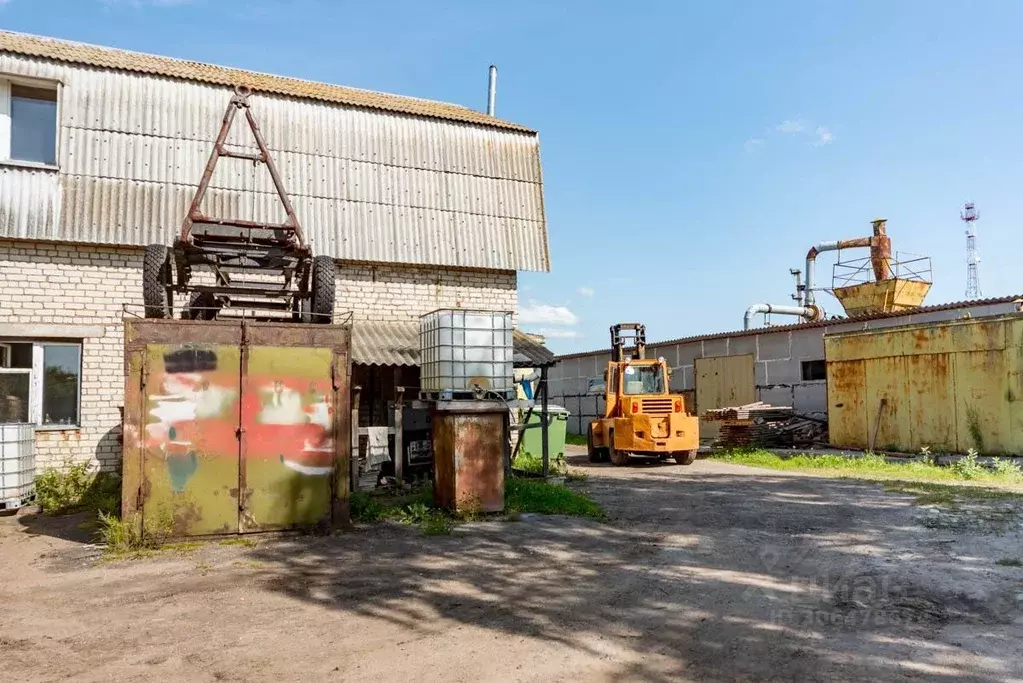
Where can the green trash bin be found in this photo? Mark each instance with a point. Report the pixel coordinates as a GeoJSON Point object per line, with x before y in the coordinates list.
{"type": "Point", "coordinates": [532, 439]}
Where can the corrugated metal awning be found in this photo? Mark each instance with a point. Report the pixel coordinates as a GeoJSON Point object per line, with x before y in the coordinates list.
{"type": "Point", "coordinates": [397, 343]}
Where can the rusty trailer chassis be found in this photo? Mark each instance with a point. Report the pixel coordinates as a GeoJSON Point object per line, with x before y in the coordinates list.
{"type": "Point", "coordinates": [290, 279]}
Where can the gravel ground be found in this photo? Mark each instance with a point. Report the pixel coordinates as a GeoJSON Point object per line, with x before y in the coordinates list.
{"type": "Point", "coordinates": [712, 572]}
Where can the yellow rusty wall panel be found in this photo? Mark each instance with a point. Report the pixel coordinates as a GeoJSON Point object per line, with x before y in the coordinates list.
{"type": "Point", "coordinates": [886, 379]}
{"type": "Point", "coordinates": [982, 412]}
{"type": "Point", "coordinates": [847, 404]}
{"type": "Point", "coordinates": [930, 392]}
{"type": "Point", "coordinates": [949, 386]}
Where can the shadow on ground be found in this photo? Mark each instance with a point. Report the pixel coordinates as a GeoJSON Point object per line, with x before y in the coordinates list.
{"type": "Point", "coordinates": [717, 577]}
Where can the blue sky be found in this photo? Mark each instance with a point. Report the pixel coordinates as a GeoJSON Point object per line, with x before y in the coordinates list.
{"type": "Point", "coordinates": [692, 151]}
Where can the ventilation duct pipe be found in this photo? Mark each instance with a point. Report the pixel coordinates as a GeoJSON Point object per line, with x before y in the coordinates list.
{"type": "Point", "coordinates": [808, 313]}
{"type": "Point", "coordinates": [880, 255]}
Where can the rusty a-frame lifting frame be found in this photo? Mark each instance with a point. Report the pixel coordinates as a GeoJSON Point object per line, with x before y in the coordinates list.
{"type": "Point", "coordinates": [232, 246]}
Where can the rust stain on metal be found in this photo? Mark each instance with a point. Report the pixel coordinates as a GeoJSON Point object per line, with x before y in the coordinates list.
{"type": "Point", "coordinates": [948, 387]}
{"type": "Point", "coordinates": [469, 460]}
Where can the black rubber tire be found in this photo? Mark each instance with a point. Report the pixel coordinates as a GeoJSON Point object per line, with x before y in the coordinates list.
{"type": "Point", "coordinates": [156, 281]}
{"type": "Point", "coordinates": [324, 287]}
{"type": "Point", "coordinates": [685, 457]}
{"type": "Point", "coordinates": [592, 451]}
{"type": "Point", "coordinates": [201, 306]}
{"type": "Point", "coordinates": [618, 458]}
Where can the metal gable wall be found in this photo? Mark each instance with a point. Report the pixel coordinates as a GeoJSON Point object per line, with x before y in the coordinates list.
{"type": "Point", "coordinates": [367, 185]}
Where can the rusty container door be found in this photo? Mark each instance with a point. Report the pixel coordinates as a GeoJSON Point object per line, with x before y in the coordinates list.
{"type": "Point", "coordinates": [185, 473]}
{"type": "Point", "coordinates": [468, 455]}
{"type": "Point", "coordinates": [246, 430]}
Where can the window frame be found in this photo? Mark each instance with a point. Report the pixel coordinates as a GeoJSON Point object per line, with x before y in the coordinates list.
{"type": "Point", "coordinates": [805, 365]}
{"type": "Point", "coordinates": [36, 375]}
{"type": "Point", "coordinates": [7, 124]}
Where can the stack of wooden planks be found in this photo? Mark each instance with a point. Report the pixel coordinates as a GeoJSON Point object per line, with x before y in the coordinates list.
{"type": "Point", "coordinates": [761, 425]}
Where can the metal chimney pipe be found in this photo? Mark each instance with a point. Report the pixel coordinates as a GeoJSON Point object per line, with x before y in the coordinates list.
{"type": "Point", "coordinates": [492, 91]}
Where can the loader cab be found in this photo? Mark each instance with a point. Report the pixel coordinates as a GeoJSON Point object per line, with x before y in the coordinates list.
{"type": "Point", "coordinates": [631, 378]}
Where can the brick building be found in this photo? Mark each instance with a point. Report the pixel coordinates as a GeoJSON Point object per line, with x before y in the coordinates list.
{"type": "Point", "coordinates": [423, 204]}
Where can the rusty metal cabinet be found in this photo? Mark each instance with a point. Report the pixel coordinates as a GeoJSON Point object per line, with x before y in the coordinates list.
{"type": "Point", "coordinates": [235, 426]}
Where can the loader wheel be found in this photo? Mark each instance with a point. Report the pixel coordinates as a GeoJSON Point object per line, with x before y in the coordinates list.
{"type": "Point", "coordinates": [596, 454]}
{"type": "Point", "coordinates": [685, 457]}
{"type": "Point", "coordinates": [618, 458]}
{"type": "Point", "coordinates": [324, 285]}
{"type": "Point", "coordinates": [156, 282]}
{"type": "Point", "coordinates": [201, 306]}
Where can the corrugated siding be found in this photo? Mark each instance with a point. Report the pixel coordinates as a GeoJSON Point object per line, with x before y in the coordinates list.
{"type": "Point", "coordinates": [367, 185]}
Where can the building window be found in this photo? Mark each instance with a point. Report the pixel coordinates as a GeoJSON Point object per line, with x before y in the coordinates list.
{"type": "Point", "coordinates": [28, 123]}
{"type": "Point", "coordinates": [40, 382]}
{"type": "Point", "coordinates": [814, 370]}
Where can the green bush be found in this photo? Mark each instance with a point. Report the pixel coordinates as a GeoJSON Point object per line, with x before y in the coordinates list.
{"type": "Point", "coordinates": [1006, 467]}
{"type": "Point", "coordinates": [75, 487]}
{"type": "Point", "coordinates": [967, 466]}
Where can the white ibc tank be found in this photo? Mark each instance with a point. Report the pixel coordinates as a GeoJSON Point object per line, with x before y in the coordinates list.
{"type": "Point", "coordinates": [462, 352]}
{"type": "Point", "coordinates": [17, 464]}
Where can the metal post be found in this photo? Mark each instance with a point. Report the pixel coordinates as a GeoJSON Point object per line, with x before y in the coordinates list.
{"type": "Point", "coordinates": [544, 425]}
{"type": "Point", "coordinates": [399, 428]}
{"type": "Point", "coordinates": [356, 393]}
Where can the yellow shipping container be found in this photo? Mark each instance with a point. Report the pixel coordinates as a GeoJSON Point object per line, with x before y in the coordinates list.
{"type": "Point", "coordinates": [947, 386]}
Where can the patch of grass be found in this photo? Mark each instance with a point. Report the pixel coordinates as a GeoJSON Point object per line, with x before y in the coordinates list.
{"type": "Point", "coordinates": [183, 547]}
{"type": "Point", "coordinates": [1009, 469]}
{"type": "Point", "coordinates": [132, 535]}
{"type": "Point", "coordinates": [243, 542]}
{"type": "Point", "coordinates": [576, 439]}
{"type": "Point", "coordinates": [875, 467]}
{"type": "Point", "coordinates": [532, 495]}
{"type": "Point", "coordinates": [77, 486]}
{"type": "Point", "coordinates": [436, 523]}
{"type": "Point", "coordinates": [416, 513]}
{"type": "Point", "coordinates": [1010, 562]}
{"type": "Point", "coordinates": [533, 464]}
{"type": "Point", "coordinates": [366, 508]}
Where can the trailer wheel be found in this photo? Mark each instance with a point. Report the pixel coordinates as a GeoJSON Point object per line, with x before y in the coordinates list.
{"type": "Point", "coordinates": [618, 458]}
{"type": "Point", "coordinates": [324, 284]}
{"type": "Point", "coordinates": [685, 457]}
{"type": "Point", "coordinates": [156, 282]}
{"type": "Point", "coordinates": [202, 306]}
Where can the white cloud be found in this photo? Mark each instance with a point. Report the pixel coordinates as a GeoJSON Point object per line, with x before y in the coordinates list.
{"type": "Point", "coordinates": [555, 333]}
{"type": "Point", "coordinates": [824, 136]}
{"type": "Point", "coordinates": [753, 144]}
{"type": "Point", "coordinates": [586, 291]}
{"type": "Point", "coordinates": [791, 126]}
{"type": "Point", "coordinates": [537, 313]}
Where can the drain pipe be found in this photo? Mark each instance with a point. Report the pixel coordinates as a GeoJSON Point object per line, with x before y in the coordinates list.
{"type": "Point", "coordinates": [809, 313]}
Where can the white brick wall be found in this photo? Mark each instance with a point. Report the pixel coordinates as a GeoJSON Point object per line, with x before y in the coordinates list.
{"type": "Point", "coordinates": [43, 283]}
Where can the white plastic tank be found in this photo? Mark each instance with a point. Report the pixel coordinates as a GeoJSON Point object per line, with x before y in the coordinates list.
{"type": "Point", "coordinates": [464, 353]}
{"type": "Point", "coordinates": [17, 464]}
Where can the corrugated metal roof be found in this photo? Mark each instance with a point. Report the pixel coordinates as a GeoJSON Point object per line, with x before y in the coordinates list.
{"type": "Point", "coordinates": [110, 58]}
{"type": "Point", "coordinates": [823, 323]}
{"type": "Point", "coordinates": [397, 343]}
{"type": "Point", "coordinates": [385, 343]}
